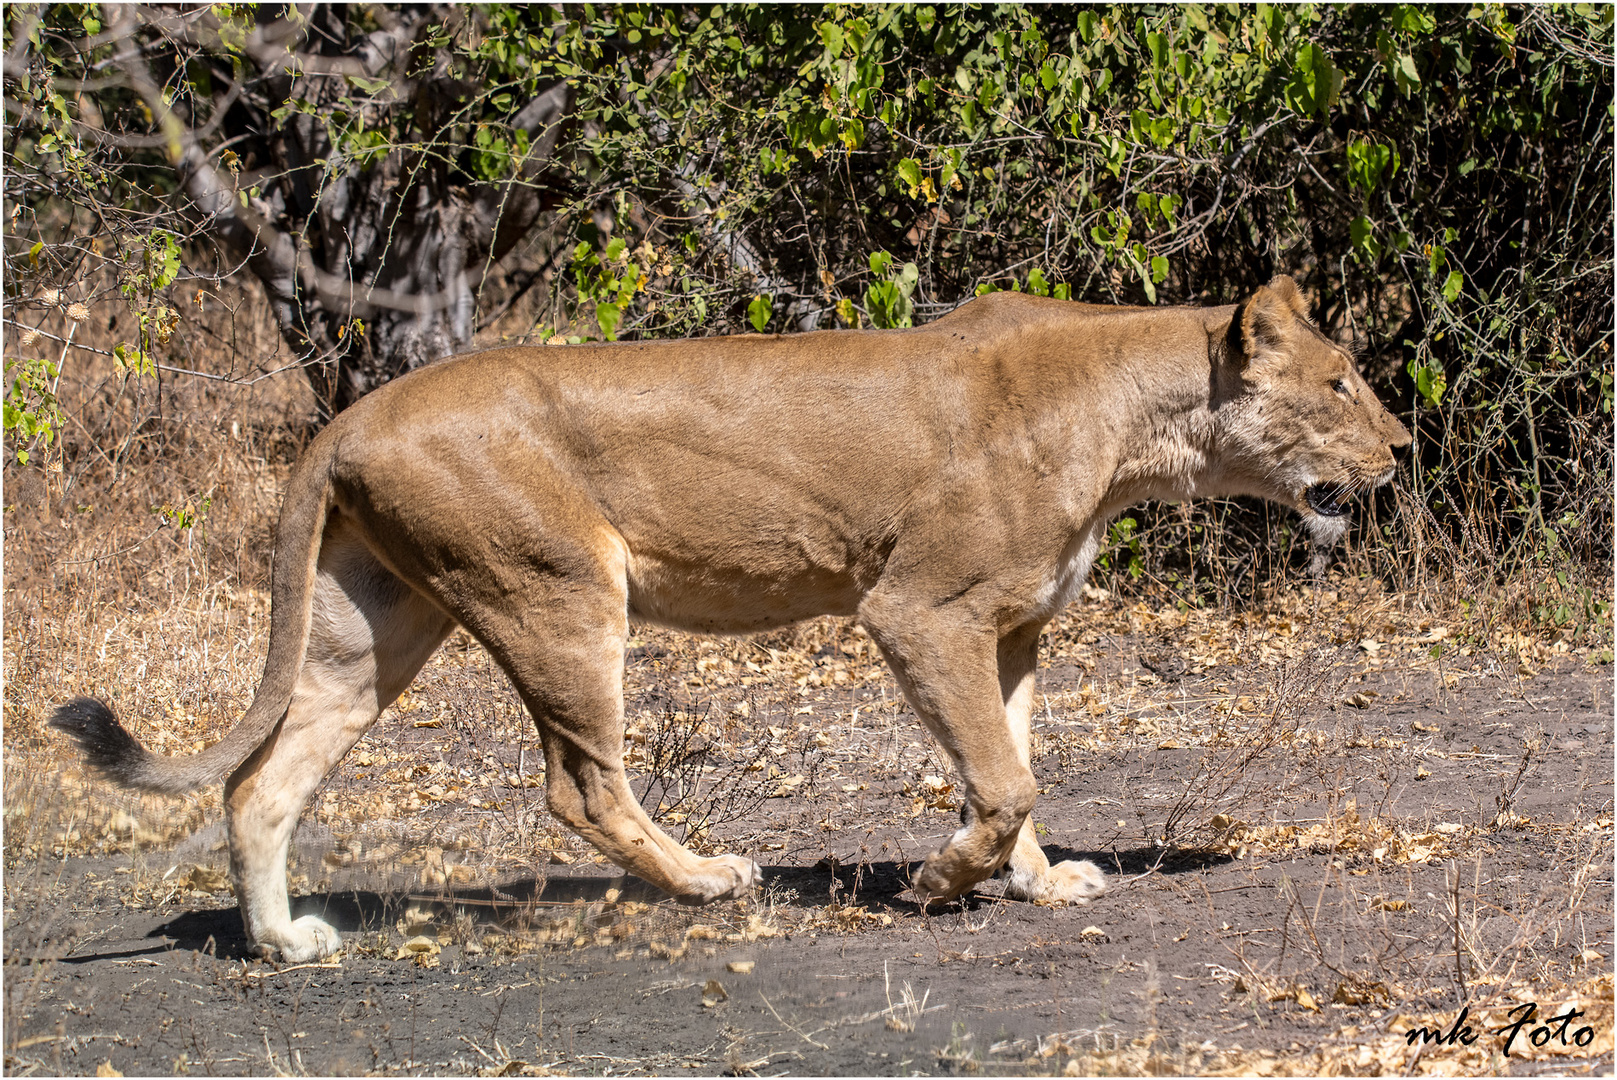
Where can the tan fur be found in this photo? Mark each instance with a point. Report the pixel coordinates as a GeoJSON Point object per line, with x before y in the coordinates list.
{"type": "Point", "coordinates": [948, 486]}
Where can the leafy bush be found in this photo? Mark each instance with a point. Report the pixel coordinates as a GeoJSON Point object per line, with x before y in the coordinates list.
{"type": "Point", "coordinates": [1439, 178]}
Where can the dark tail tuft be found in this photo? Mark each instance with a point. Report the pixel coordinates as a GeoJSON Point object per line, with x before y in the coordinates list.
{"type": "Point", "coordinates": [107, 747]}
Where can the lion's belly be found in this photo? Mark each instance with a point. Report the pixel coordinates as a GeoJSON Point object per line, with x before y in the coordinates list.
{"type": "Point", "coordinates": [713, 598]}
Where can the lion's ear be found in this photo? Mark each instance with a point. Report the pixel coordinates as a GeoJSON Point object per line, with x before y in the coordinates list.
{"type": "Point", "coordinates": [1285, 287]}
{"type": "Point", "coordinates": [1268, 319]}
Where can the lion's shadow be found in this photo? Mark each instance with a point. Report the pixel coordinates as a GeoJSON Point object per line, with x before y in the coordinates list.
{"type": "Point", "coordinates": [879, 887]}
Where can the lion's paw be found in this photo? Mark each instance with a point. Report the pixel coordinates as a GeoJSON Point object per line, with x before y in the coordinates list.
{"type": "Point", "coordinates": [936, 883]}
{"type": "Point", "coordinates": [724, 877]}
{"type": "Point", "coordinates": [306, 939]}
{"type": "Point", "coordinates": [1076, 881]}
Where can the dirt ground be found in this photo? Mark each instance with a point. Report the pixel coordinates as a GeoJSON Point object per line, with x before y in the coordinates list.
{"type": "Point", "coordinates": [1326, 821]}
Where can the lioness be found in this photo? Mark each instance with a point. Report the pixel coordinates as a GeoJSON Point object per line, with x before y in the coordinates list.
{"type": "Point", "coordinates": [948, 486]}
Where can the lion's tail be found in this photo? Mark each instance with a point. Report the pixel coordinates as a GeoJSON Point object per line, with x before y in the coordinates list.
{"type": "Point", "coordinates": [117, 755]}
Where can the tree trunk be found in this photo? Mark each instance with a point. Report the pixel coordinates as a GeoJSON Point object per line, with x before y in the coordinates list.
{"type": "Point", "coordinates": [371, 267]}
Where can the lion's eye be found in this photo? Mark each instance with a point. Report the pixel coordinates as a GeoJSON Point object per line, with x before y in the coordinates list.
{"type": "Point", "coordinates": [1339, 386]}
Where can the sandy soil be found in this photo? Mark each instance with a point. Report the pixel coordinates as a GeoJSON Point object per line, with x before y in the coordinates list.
{"type": "Point", "coordinates": [1319, 835]}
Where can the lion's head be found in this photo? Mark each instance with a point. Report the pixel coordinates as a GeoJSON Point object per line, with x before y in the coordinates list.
{"type": "Point", "coordinates": [1302, 427]}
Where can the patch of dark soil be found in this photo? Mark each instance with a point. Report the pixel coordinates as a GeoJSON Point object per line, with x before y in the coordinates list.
{"type": "Point", "coordinates": [1412, 842]}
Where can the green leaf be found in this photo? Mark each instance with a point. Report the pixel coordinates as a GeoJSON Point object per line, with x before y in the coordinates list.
{"type": "Point", "coordinates": [609, 316]}
{"type": "Point", "coordinates": [1405, 75]}
{"type": "Point", "coordinates": [1367, 162]}
{"type": "Point", "coordinates": [1158, 44]}
{"type": "Point", "coordinates": [1412, 19]}
{"type": "Point", "coordinates": [1168, 205]}
{"type": "Point", "coordinates": [1451, 287]}
{"type": "Point", "coordinates": [1159, 269]}
{"type": "Point", "coordinates": [759, 311]}
{"type": "Point", "coordinates": [909, 171]}
{"type": "Point", "coordinates": [1430, 383]}
{"type": "Point", "coordinates": [1133, 259]}
{"type": "Point", "coordinates": [1315, 80]}
{"type": "Point", "coordinates": [831, 38]}
{"type": "Point", "coordinates": [1364, 240]}
{"type": "Point", "coordinates": [167, 258]}
{"type": "Point", "coordinates": [373, 87]}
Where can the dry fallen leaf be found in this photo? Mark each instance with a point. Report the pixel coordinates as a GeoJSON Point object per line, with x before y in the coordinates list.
{"type": "Point", "coordinates": [418, 946]}
{"type": "Point", "coordinates": [106, 1069]}
{"type": "Point", "coordinates": [744, 967]}
{"type": "Point", "coordinates": [1353, 992]}
{"type": "Point", "coordinates": [787, 785]}
{"type": "Point", "coordinates": [713, 993]}
{"type": "Point", "coordinates": [208, 879]}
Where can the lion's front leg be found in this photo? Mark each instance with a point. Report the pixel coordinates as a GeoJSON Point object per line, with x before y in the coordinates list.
{"type": "Point", "coordinates": [1028, 874]}
{"type": "Point", "coordinates": [567, 663]}
{"type": "Point", "coordinates": [944, 662]}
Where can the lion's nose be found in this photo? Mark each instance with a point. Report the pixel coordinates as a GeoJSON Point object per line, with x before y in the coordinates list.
{"type": "Point", "coordinates": [1397, 434]}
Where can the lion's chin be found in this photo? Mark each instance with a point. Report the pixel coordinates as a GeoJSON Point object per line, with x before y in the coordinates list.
{"type": "Point", "coordinates": [1325, 531]}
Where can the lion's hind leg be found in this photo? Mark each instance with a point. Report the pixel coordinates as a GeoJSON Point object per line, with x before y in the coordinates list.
{"type": "Point", "coordinates": [369, 634]}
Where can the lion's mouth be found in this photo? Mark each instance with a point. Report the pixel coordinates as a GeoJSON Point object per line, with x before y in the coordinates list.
{"type": "Point", "coordinates": [1325, 500]}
